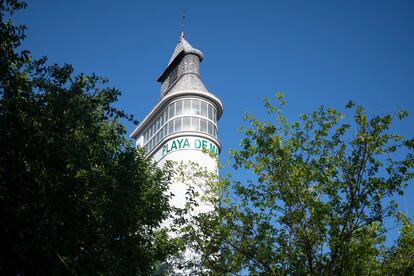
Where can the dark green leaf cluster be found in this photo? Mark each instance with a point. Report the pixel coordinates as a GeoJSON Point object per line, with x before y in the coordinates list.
{"type": "Point", "coordinates": [76, 197]}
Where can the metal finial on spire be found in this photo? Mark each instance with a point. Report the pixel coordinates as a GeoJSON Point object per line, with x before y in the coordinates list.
{"type": "Point", "coordinates": [183, 17]}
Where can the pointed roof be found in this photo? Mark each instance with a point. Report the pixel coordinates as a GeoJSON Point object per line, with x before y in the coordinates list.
{"type": "Point", "coordinates": [184, 46]}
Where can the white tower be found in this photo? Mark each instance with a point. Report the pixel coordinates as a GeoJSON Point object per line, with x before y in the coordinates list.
{"type": "Point", "coordinates": [184, 121]}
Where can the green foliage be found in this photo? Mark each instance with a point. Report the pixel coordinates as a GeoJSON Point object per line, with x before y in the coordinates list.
{"type": "Point", "coordinates": [317, 199]}
{"type": "Point", "coordinates": [400, 258]}
{"type": "Point", "coordinates": [76, 197]}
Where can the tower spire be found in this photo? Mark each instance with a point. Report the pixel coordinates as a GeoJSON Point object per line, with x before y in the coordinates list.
{"type": "Point", "coordinates": [183, 17]}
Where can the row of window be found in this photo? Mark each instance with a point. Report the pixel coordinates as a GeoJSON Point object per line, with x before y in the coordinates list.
{"type": "Point", "coordinates": [182, 107]}
{"type": "Point", "coordinates": [182, 124]}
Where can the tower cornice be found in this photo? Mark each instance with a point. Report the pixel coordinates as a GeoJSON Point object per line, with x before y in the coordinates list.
{"type": "Point", "coordinates": [171, 96]}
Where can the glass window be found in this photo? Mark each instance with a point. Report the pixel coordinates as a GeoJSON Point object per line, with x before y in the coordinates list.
{"type": "Point", "coordinates": [203, 109]}
{"type": "Point", "coordinates": [195, 107]}
{"type": "Point", "coordinates": [177, 125]}
{"type": "Point", "coordinates": [203, 125]}
{"type": "Point", "coordinates": [210, 128]}
{"type": "Point", "coordinates": [164, 131]}
{"type": "Point", "coordinates": [170, 127]}
{"type": "Point", "coordinates": [171, 110]}
{"type": "Point", "coordinates": [178, 108]}
{"type": "Point", "coordinates": [187, 107]}
{"type": "Point", "coordinates": [186, 123]}
{"type": "Point", "coordinates": [195, 124]}
{"type": "Point", "coordinates": [210, 112]}
{"type": "Point", "coordinates": [165, 116]}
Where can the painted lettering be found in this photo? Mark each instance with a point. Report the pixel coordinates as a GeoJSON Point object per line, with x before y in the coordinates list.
{"type": "Point", "coordinates": [213, 148]}
{"type": "Point", "coordinates": [186, 143]}
{"type": "Point", "coordinates": [180, 141]}
{"type": "Point", "coordinates": [197, 143]}
{"type": "Point", "coordinates": [183, 143]}
{"type": "Point", "coordinates": [173, 145]}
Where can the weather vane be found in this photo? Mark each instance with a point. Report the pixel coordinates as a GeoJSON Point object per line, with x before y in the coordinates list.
{"type": "Point", "coordinates": [183, 17]}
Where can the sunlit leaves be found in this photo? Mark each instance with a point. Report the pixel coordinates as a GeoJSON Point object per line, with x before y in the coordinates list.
{"type": "Point", "coordinates": [321, 189]}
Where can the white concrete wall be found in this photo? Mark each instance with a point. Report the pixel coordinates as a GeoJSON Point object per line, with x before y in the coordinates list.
{"type": "Point", "coordinates": [193, 151]}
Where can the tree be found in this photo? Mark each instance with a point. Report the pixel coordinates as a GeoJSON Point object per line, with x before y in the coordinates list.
{"type": "Point", "coordinates": [399, 259]}
{"type": "Point", "coordinates": [75, 196]}
{"type": "Point", "coordinates": [315, 203]}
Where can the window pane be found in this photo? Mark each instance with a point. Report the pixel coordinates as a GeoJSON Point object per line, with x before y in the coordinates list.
{"type": "Point", "coordinates": [187, 107]}
{"type": "Point", "coordinates": [210, 128]}
{"type": "Point", "coordinates": [171, 111]}
{"type": "Point", "coordinates": [214, 115]}
{"type": "Point", "coordinates": [210, 112]}
{"type": "Point", "coordinates": [178, 108]}
{"type": "Point", "coordinates": [203, 125]}
{"type": "Point", "coordinates": [195, 107]}
{"type": "Point", "coordinates": [170, 127]}
{"type": "Point", "coordinates": [177, 125]}
{"type": "Point", "coordinates": [186, 123]}
{"type": "Point", "coordinates": [165, 116]}
{"type": "Point", "coordinates": [164, 130]}
{"type": "Point", "coordinates": [195, 123]}
{"type": "Point", "coordinates": [203, 109]}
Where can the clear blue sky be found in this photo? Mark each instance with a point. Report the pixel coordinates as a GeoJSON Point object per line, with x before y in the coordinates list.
{"type": "Point", "coordinates": [316, 52]}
